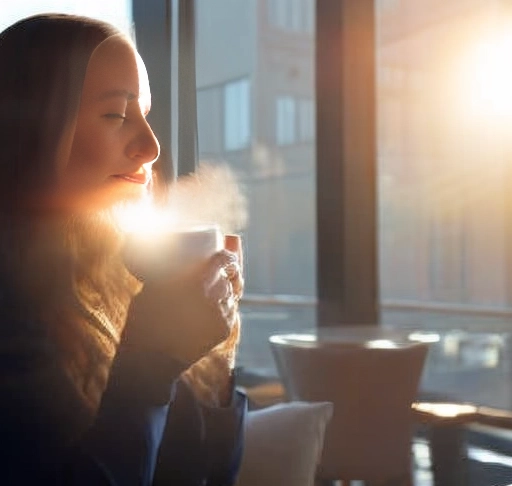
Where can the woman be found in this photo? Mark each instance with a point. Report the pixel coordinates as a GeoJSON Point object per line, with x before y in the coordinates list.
{"type": "Point", "coordinates": [104, 380]}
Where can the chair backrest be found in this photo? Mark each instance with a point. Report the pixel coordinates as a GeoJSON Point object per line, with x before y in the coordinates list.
{"type": "Point", "coordinates": [372, 389]}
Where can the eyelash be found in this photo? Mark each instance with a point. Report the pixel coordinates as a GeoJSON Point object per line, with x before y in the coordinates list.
{"type": "Point", "coordinates": [115, 115]}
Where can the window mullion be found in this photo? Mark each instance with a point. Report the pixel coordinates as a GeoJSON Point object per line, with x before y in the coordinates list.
{"type": "Point", "coordinates": [347, 275]}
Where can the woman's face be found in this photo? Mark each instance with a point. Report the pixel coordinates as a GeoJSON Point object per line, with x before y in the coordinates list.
{"type": "Point", "coordinates": [112, 147]}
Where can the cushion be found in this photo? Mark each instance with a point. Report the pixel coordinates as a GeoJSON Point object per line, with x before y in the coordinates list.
{"type": "Point", "coordinates": [283, 444]}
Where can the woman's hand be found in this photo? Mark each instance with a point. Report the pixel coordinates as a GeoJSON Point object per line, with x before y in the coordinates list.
{"type": "Point", "coordinates": [210, 378]}
{"type": "Point", "coordinates": [227, 348]}
{"type": "Point", "coordinates": [186, 315]}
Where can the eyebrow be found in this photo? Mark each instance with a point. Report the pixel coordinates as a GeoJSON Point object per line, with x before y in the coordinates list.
{"type": "Point", "coordinates": [117, 93]}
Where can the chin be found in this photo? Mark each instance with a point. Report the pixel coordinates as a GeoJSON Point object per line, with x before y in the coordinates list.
{"type": "Point", "coordinates": [128, 193]}
{"type": "Point", "coordinates": [112, 195]}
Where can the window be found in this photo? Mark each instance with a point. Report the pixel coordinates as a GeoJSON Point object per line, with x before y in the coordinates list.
{"type": "Point", "coordinates": [259, 117]}
{"type": "Point", "coordinates": [442, 174]}
{"type": "Point", "coordinates": [295, 121]}
{"type": "Point", "coordinates": [444, 111]}
{"type": "Point", "coordinates": [285, 120]}
{"type": "Point", "coordinates": [229, 102]}
{"type": "Point", "coordinates": [438, 271]}
{"type": "Point", "coordinates": [291, 15]}
{"type": "Point", "coordinates": [237, 111]}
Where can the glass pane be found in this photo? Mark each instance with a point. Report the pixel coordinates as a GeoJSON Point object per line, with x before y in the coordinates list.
{"type": "Point", "coordinates": [255, 73]}
{"type": "Point", "coordinates": [117, 12]}
{"type": "Point", "coordinates": [445, 175]}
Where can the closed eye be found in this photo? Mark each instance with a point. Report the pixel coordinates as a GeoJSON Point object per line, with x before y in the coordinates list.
{"type": "Point", "coordinates": [119, 116]}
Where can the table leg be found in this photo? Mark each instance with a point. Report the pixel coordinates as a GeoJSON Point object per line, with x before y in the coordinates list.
{"type": "Point", "coordinates": [448, 455]}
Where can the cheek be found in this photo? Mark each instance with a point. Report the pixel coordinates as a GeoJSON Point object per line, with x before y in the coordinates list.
{"type": "Point", "coordinates": [93, 154]}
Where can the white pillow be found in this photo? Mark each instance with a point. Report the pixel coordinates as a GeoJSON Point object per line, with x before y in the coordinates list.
{"type": "Point", "coordinates": [283, 444]}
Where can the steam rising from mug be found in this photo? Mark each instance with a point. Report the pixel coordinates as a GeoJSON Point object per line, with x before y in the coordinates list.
{"type": "Point", "coordinates": [201, 208]}
{"type": "Point", "coordinates": [211, 195]}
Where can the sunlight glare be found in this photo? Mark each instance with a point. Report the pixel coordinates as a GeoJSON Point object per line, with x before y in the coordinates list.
{"type": "Point", "coordinates": [425, 337]}
{"type": "Point", "coordinates": [445, 409]}
{"type": "Point", "coordinates": [144, 220]}
{"type": "Point", "coordinates": [488, 77]}
{"type": "Point", "coordinates": [381, 344]}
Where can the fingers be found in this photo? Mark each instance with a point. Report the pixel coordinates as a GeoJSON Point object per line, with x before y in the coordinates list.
{"type": "Point", "coordinates": [220, 289]}
{"type": "Point", "coordinates": [221, 292]}
{"type": "Point", "coordinates": [218, 264]}
{"type": "Point", "coordinates": [233, 243]}
{"type": "Point", "coordinates": [189, 312]}
{"type": "Point", "coordinates": [234, 274]}
{"type": "Point", "coordinates": [224, 265]}
{"type": "Point", "coordinates": [224, 283]}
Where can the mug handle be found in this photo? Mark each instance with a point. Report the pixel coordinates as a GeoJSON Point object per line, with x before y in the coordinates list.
{"type": "Point", "coordinates": [233, 243]}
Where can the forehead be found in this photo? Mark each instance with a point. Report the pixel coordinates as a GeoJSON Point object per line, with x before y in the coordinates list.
{"type": "Point", "coordinates": [115, 66]}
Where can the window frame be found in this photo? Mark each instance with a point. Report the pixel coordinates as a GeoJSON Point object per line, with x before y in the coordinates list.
{"type": "Point", "coordinates": [347, 270]}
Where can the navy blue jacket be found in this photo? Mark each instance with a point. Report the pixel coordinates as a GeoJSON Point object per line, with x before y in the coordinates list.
{"type": "Point", "coordinates": [149, 429]}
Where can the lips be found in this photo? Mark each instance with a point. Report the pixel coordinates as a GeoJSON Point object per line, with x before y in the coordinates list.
{"type": "Point", "coordinates": [140, 177]}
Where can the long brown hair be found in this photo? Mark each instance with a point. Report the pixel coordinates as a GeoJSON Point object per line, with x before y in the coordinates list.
{"type": "Point", "coordinates": [64, 272]}
{"type": "Point", "coordinates": [43, 60]}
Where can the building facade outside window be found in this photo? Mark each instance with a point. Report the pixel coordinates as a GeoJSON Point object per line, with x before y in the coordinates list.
{"type": "Point", "coordinates": [291, 15]}
{"type": "Point", "coordinates": [286, 120]}
{"type": "Point", "coordinates": [295, 120]}
{"type": "Point", "coordinates": [306, 120]}
{"type": "Point", "coordinates": [237, 115]}
{"type": "Point", "coordinates": [209, 112]}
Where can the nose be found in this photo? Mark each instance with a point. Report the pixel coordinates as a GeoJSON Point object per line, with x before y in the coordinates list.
{"type": "Point", "coordinates": [144, 146]}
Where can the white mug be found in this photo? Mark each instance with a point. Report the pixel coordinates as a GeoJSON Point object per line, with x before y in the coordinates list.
{"type": "Point", "coordinates": [172, 251]}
